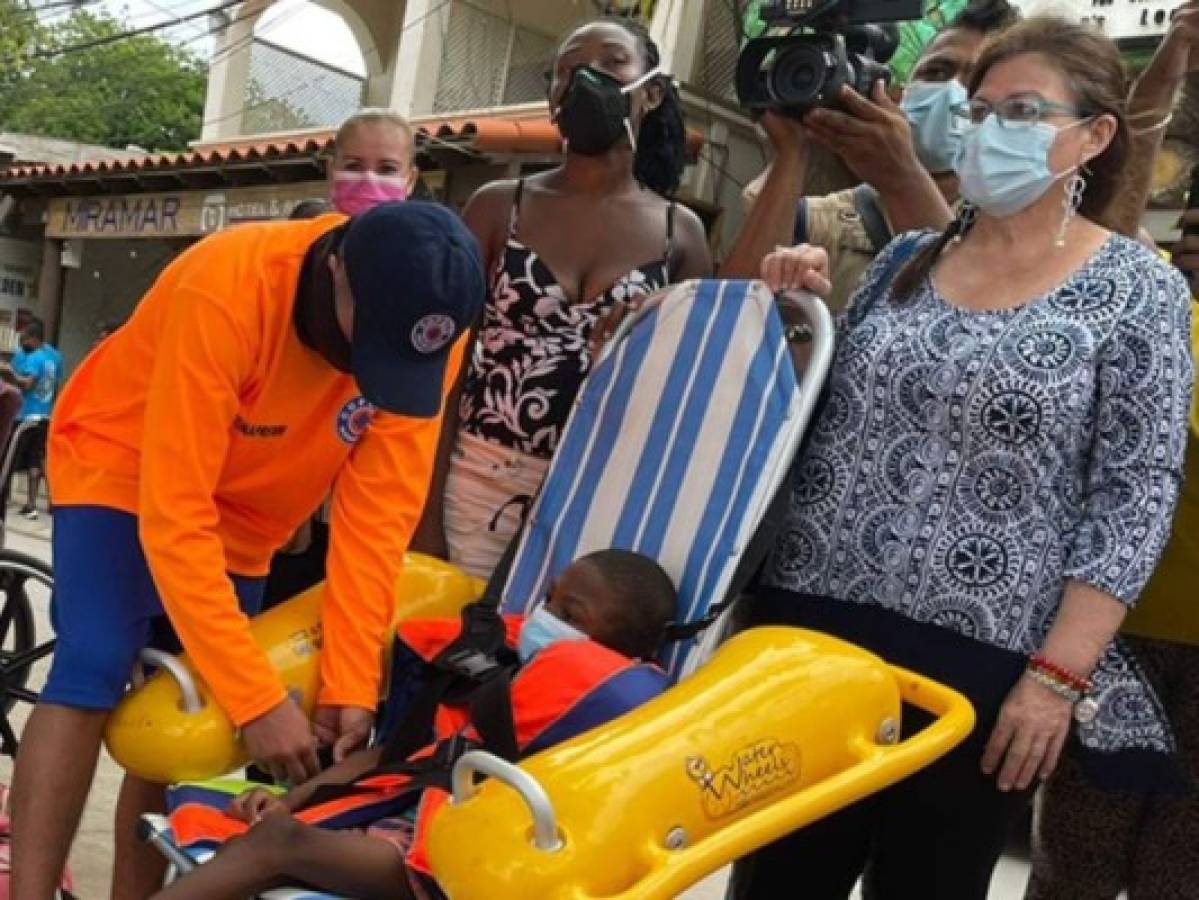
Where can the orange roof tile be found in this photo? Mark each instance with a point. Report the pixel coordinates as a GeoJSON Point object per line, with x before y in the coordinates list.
{"type": "Point", "coordinates": [520, 132]}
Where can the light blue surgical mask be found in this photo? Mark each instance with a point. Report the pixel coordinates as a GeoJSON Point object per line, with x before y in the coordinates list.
{"type": "Point", "coordinates": [540, 630]}
{"type": "Point", "coordinates": [1002, 170]}
{"type": "Point", "coordinates": [936, 131]}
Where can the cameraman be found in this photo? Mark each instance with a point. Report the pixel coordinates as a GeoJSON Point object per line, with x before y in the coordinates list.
{"type": "Point", "coordinates": [906, 166]}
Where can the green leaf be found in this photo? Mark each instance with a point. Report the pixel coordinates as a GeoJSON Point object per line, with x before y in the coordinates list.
{"type": "Point", "coordinates": [139, 90]}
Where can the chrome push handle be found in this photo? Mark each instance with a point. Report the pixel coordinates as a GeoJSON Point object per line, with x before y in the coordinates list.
{"type": "Point", "coordinates": [479, 762]}
{"type": "Point", "coordinates": [168, 662]}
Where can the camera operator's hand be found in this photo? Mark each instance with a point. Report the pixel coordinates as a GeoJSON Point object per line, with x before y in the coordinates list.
{"type": "Point", "coordinates": [786, 133]}
{"type": "Point", "coordinates": [874, 139]}
{"type": "Point", "coordinates": [872, 136]}
{"type": "Point", "coordinates": [1178, 53]}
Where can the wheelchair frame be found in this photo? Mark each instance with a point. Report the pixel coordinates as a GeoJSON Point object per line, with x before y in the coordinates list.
{"type": "Point", "coordinates": [19, 648]}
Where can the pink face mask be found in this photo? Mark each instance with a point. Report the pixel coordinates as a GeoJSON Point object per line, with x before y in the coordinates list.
{"type": "Point", "coordinates": [356, 192]}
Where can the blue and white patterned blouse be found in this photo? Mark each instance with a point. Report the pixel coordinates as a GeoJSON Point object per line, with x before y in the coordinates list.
{"type": "Point", "coordinates": [967, 464]}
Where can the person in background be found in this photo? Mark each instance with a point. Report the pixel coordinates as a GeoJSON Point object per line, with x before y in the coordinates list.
{"type": "Point", "coordinates": [310, 209]}
{"type": "Point", "coordinates": [992, 478]}
{"type": "Point", "coordinates": [37, 370]}
{"type": "Point", "coordinates": [373, 161]}
{"type": "Point", "coordinates": [565, 249]}
{"type": "Point", "coordinates": [1093, 840]}
{"type": "Point", "coordinates": [104, 329]}
{"type": "Point", "coordinates": [903, 153]}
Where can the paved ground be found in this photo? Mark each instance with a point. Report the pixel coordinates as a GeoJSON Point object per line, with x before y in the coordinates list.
{"type": "Point", "coordinates": [92, 856]}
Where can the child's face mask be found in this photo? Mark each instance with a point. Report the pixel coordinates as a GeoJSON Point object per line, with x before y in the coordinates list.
{"type": "Point", "coordinates": [540, 630]}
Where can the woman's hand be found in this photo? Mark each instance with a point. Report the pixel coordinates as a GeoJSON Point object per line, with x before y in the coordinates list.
{"type": "Point", "coordinates": [254, 804]}
{"type": "Point", "coordinates": [609, 322]}
{"type": "Point", "coordinates": [799, 268]}
{"type": "Point", "coordinates": [1032, 728]}
{"type": "Point", "coordinates": [606, 326]}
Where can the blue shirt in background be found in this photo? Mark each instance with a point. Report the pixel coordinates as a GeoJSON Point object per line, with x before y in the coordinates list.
{"type": "Point", "coordinates": [44, 365]}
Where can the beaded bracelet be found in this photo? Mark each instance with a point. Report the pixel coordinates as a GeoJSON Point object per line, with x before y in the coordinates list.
{"type": "Point", "coordinates": [1060, 688]}
{"type": "Point", "coordinates": [1060, 673]}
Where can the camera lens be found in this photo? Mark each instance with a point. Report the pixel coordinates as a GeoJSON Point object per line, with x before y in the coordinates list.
{"type": "Point", "coordinates": [797, 75]}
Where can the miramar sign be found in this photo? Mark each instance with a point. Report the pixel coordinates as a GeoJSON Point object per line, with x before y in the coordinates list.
{"type": "Point", "coordinates": [180, 214]}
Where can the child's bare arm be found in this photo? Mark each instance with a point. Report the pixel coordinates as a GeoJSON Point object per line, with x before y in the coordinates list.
{"type": "Point", "coordinates": [280, 851]}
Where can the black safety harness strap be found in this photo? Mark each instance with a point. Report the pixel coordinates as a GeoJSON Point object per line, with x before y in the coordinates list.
{"type": "Point", "coordinates": [475, 670]}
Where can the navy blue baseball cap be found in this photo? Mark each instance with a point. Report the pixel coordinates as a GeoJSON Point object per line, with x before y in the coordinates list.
{"type": "Point", "coordinates": [417, 278]}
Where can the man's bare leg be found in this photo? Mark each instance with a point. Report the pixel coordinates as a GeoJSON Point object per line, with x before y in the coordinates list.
{"type": "Point", "coordinates": [280, 850]}
{"type": "Point", "coordinates": [53, 773]}
{"type": "Point", "coordinates": [138, 869]}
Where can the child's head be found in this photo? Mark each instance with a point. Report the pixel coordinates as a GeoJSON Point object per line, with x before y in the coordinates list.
{"type": "Point", "coordinates": [373, 161]}
{"type": "Point", "coordinates": [617, 598]}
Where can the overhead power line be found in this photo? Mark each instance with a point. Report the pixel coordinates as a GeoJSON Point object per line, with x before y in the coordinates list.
{"type": "Point", "coordinates": [133, 32]}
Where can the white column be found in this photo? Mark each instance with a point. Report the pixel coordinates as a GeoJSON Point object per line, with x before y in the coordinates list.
{"type": "Point", "coordinates": [677, 31]}
{"type": "Point", "coordinates": [229, 71]}
{"type": "Point", "coordinates": [417, 66]}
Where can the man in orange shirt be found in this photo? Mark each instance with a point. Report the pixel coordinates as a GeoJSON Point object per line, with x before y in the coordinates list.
{"type": "Point", "coordinates": [267, 365]}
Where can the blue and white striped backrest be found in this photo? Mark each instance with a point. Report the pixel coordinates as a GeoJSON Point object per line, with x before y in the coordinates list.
{"type": "Point", "coordinates": [679, 439]}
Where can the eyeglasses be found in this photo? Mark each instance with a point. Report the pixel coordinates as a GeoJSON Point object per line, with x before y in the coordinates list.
{"type": "Point", "coordinates": [1014, 112]}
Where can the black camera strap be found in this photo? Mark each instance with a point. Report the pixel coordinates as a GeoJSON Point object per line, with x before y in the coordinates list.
{"type": "Point", "coordinates": [870, 212]}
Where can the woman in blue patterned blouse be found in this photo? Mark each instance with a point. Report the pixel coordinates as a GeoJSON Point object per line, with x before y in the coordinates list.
{"type": "Point", "coordinates": [992, 478]}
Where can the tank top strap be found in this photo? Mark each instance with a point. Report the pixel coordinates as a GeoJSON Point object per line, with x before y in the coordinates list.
{"type": "Point", "coordinates": [669, 254]}
{"type": "Point", "coordinates": [514, 215]}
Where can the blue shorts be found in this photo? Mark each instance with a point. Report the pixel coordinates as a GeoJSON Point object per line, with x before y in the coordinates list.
{"type": "Point", "coordinates": [105, 607]}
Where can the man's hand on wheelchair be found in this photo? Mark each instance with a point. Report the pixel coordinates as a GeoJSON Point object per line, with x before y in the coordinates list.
{"type": "Point", "coordinates": [343, 728]}
{"type": "Point", "coordinates": [799, 268]}
{"type": "Point", "coordinates": [281, 741]}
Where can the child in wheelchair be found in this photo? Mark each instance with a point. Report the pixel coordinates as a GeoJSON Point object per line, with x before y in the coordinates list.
{"type": "Point", "coordinates": [357, 830]}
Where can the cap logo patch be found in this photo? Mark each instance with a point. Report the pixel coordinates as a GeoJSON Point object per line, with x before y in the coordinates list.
{"type": "Point", "coordinates": [354, 418]}
{"type": "Point", "coordinates": [432, 333]}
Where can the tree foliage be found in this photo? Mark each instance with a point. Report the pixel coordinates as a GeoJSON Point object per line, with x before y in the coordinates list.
{"type": "Point", "coordinates": [139, 90]}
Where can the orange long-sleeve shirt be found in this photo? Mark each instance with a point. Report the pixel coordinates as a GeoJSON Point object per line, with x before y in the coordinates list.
{"type": "Point", "coordinates": [207, 418]}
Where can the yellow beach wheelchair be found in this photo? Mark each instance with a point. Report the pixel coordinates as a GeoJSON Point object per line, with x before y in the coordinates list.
{"type": "Point", "coordinates": [679, 447]}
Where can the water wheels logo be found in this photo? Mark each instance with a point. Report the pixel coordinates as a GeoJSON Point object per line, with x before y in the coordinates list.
{"type": "Point", "coordinates": [754, 773]}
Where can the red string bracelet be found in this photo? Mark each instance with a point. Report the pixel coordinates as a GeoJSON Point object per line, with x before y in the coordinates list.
{"type": "Point", "coordinates": [1061, 673]}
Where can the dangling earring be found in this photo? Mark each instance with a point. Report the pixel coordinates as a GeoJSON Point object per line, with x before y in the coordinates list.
{"type": "Point", "coordinates": [1076, 186]}
{"type": "Point", "coordinates": [963, 222]}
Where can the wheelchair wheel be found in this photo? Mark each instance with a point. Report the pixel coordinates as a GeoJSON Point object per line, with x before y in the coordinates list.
{"type": "Point", "coordinates": [22, 579]}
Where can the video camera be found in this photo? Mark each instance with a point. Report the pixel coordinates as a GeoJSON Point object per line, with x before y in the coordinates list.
{"type": "Point", "coordinates": [829, 43]}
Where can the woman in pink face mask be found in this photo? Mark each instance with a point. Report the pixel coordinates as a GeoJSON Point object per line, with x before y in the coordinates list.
{"type": "Point", "coordinates": [372, 161]}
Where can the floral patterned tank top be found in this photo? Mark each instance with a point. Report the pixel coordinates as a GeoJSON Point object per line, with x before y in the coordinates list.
{"type": "Point", "coordinates": [531, 355]}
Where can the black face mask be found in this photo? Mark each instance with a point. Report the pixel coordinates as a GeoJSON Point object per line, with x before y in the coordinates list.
{"type": "Point", "coordinates": [596, 112]}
